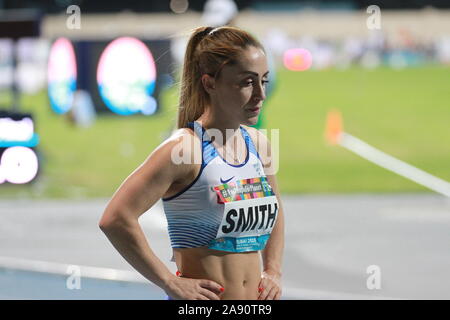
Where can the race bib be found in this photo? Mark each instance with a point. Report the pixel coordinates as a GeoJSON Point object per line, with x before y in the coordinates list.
{"type": "Point", "coordinates": [250, 213]}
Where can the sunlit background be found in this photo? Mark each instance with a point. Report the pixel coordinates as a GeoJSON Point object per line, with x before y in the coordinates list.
{"type": "Point", "coordinates": [88, 89]}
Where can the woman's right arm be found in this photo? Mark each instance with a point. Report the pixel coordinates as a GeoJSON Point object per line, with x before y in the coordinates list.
{"type": "Point", "coordinates": [138, 193]}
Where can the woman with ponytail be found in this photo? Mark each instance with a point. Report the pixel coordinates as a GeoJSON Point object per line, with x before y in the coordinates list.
{"type": "Point", "coordinates": [216, 179]}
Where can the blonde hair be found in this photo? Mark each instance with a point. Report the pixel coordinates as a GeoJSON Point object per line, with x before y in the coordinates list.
{"type": "Point", "coordinates": [208, 50]}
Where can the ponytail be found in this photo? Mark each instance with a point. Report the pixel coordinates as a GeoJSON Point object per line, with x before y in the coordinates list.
{"type": "Point", "coordinates": [192, 94]}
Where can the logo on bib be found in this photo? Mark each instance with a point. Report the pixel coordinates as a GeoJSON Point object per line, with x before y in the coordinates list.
{"type": "Point", "coordinates": [244, 189]}
{"type": "Point", "coordinates": [250, 212]}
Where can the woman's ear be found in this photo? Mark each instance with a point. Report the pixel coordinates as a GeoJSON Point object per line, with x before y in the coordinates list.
{"type": "Point", "coordinates": [208, 83]}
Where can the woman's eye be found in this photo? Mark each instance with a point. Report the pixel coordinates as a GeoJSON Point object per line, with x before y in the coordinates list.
{"type": "Point", "coordinates": [250, 82]}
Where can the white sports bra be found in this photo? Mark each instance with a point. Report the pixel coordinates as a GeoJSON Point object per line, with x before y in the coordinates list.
{"type": "Point", "coordinates": [227, 207]}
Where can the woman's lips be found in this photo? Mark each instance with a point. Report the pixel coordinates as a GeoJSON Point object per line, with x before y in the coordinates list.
{"type": "Point", "coordinates": [254, 110]}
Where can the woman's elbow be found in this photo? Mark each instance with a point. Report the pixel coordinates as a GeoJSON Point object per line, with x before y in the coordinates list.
{"type": "Point", "coordinates": [104, 223]}
{"type": "Point", "coordinates": [109, 220]}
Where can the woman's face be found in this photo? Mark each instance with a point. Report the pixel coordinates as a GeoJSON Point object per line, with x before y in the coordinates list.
{"type": "Point", "coordinates": [241, 87]}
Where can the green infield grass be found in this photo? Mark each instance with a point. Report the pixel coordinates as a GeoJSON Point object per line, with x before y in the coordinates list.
{"type": "Point", "coordinates": [405, 113]}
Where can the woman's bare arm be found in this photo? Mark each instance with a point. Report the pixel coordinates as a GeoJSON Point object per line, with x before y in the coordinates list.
{"type": "Point", "coordinates": [138, 193]}
{"type": "Point", "coordinates": [272, 255]}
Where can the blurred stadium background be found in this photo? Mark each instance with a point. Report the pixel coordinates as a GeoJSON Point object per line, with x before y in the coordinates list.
{"type": "Point", "coordinates": [88, 89]}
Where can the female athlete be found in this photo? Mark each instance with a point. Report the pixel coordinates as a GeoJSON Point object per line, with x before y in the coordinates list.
{"type": "Point", "coordinates": [216, 178]}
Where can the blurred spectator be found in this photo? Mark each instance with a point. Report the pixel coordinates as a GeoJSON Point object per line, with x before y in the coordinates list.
{"type": "Point", "coordinates": [31, 69]}
{"type": "Point", "coordinates": [442, 47]}
{"type": "Point", "coordinates": [6, 63]}
{"type": "Point", "coordinates": [218, 13]}
{"type": "Point", "coordinates": [82, 114]}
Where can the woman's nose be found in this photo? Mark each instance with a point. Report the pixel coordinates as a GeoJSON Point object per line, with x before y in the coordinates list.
{"type": "Point", "coordinates": [259, 92]}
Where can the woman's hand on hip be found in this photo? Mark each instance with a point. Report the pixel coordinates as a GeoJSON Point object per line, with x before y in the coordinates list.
{"type": "Point", "coordinates": [270, 286]}
{"type": "Point", "coordinates": [179, 288]}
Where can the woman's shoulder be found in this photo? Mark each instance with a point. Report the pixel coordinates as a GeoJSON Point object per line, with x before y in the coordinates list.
{"type": "Point", "coordinates": [181, 135]}
{"type": "Point", "coordinates": [182, 142]}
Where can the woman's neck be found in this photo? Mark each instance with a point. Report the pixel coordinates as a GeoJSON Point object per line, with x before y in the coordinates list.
{"type": "Point", "coordinates": [209, 120]}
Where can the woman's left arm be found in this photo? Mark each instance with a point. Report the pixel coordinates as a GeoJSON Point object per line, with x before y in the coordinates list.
{"type": "Point", "coordinates": [272, 255]}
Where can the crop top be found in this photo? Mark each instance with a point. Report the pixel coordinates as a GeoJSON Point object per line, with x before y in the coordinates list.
{"type": "Point", "coordinates": [227, 207]}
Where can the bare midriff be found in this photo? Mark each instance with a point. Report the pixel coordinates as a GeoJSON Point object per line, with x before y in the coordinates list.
{"type": "Point", "coordinates": [238, 273]}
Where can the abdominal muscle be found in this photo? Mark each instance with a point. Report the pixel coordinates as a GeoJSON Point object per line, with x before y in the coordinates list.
{"type": "Point", "coordinates": [238, 273]}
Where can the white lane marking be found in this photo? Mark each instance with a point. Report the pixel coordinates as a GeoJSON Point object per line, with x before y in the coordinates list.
{"type": "Point", "coordinates": [393, 164]}
{"type": "Point", "coordinates": [417, 214]}
{"type": "Point", "coordinates": [61, 269]}
{"type": "Point", "coordinates": [129, 276]}
{"type": "Point", "coordinates": [307, 294]}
